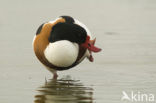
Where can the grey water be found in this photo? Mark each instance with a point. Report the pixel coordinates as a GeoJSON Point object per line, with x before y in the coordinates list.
{"type": "Point", "coordinates": [64, 91]}
{"type": "Point", "coordinates": [124, 29]}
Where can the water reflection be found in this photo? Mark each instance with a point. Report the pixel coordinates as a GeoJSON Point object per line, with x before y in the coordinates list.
{"type": "Point", "coordinates": [64, 90]}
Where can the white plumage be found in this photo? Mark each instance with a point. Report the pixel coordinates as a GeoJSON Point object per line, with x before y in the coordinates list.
{"type": "Point", "coordinates": [62, 53]}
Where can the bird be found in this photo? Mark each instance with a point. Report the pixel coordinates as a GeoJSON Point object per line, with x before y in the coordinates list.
{"type": "Point", "coordinates": [63, 43]}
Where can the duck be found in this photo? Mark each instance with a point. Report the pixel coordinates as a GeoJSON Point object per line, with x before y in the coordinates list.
{"type": "Point", "coordinates": [63, 43]}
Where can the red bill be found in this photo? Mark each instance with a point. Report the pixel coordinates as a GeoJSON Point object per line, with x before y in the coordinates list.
{"type": "Point", "coordinates": [89, 44]}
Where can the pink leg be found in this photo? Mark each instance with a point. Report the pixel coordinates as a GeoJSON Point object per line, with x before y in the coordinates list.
{"type": "Point", "coordinates": [55, 75]}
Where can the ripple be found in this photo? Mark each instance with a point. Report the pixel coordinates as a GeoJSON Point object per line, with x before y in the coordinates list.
{"type": "Point", "coordinates": [64, 90]}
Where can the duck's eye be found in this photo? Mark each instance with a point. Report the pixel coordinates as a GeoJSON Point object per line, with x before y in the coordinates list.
{"type": "Point", "coordinates": [89, 45]}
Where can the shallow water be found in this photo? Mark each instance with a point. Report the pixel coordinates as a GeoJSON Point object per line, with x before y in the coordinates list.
{"type": "Point", "coordinates": [64, 91]}
{"type": "Point", "coordinates": [125, 30]}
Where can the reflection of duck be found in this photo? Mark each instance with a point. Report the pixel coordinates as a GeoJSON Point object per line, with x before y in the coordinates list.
{"type": "Point", "coordinates": [64, 91]}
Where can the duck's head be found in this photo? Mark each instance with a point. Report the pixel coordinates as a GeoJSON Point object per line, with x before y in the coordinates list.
{"type": "Point", "coordinates": [72, 32]}
{"type": "Point", "coordinates": [66, 31]}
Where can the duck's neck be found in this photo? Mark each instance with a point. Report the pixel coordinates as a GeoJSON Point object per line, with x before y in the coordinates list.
{"type": "Point", "coordinates": [62, 53]}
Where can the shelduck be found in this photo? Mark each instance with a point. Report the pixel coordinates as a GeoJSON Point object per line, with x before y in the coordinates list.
{"type": "Point", "coordinates": [63, 43]}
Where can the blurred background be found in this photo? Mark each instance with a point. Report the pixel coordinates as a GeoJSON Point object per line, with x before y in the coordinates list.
{"type": "Point", "coordinates": [125, 30]}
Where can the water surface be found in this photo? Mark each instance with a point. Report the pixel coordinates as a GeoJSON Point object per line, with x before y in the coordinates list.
{"type": "Point", "coordinates": [64, 90]}
{"type": "Point", "coordinates": [125, 30]}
